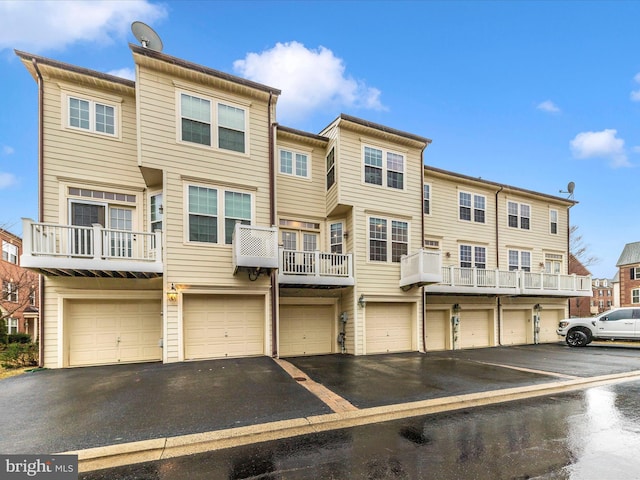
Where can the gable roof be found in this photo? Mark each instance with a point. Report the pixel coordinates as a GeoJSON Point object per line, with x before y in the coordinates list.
{"type": "Point", "coordinates": [576, 266]}
{"type": "Point", "coordinates": [630, 254]}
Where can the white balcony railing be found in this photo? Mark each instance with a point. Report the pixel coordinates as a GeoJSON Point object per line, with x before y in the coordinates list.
{"type": "Point", "coordinates": [51, 247]}
{"type": "Point", "coordinates": [420, 268]}
{"type": "Point", "coordinates": [516, 282]}
{"type": "Point", "coordinates": [255, 247]}
{"type": "Point", "coordinates": [315, 268]}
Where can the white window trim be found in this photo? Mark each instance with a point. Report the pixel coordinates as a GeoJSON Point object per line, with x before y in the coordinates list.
{"type": "Point", "coordinates": [551, 222]}
{"type": "Point", "coordinates": [473, 254]}
{"type": "Point", "coordinates": [213, 116]}
{"type": "Point", "coordinates": [93, 100]}
{"type": "Point", "coordinates": [430, 197]}
{"type": "Point", "coordinates": [389, 240]}
{"type": "Point", "coordinates": [11, 321]}
{"type": "Point", "coordinates": [294, 173]}
{"type": "Point", "coordinates": [384, 168]}
{"type": "Point", "coordinates": [519, 216]}
{"type": "Point", "coordinates": [221, 189]}
{"type": "Point", "coordinates": [635, 292]}
{"type": "Point", "coordinates": [472, 207]}
{"type": "Point", "coordinates": [520, 252]}
{"type": "Point", "coordinates": [344, 238]}
{"type": "Point", "coordinates": [12, 251]}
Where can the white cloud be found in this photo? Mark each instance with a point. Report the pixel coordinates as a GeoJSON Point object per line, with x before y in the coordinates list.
{"type": "Point", "coordinates": [602, 144]}
{"type": "Point", "coordinates": [52, 25]}
{"type": "Point", "coordinates": [7, 150]}
{"type": "Point", "coordinates": [309, 80]}
{"type": "Point", "coordinates": [127, 73]}
{"type": "Point", "coordinates": [7, 180]}
{"type": "Point", "coordinates": [548, 106]}
{"type": "Point", "coordinates": [635, 94]}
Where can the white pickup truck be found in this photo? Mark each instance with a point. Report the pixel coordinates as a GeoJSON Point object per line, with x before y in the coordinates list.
{"type": "Point", "coordinates": [616, 324]}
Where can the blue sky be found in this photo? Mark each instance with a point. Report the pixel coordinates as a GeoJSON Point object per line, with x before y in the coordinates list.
{"type": "Point", "coordinates": [531, 94]}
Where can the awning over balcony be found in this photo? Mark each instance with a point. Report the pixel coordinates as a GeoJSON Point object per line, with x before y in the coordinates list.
{"type": "Point", "coordinates": [69, 250]}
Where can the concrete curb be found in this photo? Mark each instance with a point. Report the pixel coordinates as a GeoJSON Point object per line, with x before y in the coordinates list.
{"type": "Point", "coordinates": [170, 447]}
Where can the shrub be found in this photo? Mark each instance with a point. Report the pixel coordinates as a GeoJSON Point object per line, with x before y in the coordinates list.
{"type": "Point", "coordinates": [19, 338]}
{"type": "Point", "coordinates": [19, 355]}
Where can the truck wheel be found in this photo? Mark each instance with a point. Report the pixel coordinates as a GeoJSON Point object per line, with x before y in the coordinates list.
{"type": "Point", "coordinates": [577, 338]}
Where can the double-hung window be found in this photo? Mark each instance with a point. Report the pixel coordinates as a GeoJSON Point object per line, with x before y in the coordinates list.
{"type": "Point", "coordinates": [91, 116]}
{"type": "Point", "coordinates": [294, 163]}
{"type": "Point", "coordinates": [519, 215]}
{"type": "Point", "coordinates": [337, 237]}
{"type": "Point", "coordinates": [469, 202]}
{"type": "Point", "coordinates": [381, 165]}
{"type": "Point", "coordinates": [9, 252]}
{"type": "Point", "coordinates": [388, 239]}
{"type": "Point", "coordinates": [197, 123]}
{"type": "Point", "coordinates": [426, 206]}
{"type": "Point", "coordinates": [12, 325]}
{"type": "Point", "coordinates": [213, 213]}
{"type": "Point", "coordinates": [473, 256]}
{"type": "Point", "coordinates": [331, 168]}
{"type": "Point", "coordinates": [519, 260]}
{"type": "Point", "coordinates": [9, 291]}
{"type": "Point", "coordinates": [553, 222]}
{"type": "Point", "coordinates": [634, 273]}
{"type": "Point", "coordinates": [635, 295]}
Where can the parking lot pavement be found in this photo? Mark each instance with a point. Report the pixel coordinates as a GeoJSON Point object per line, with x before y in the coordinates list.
{"type": "Point", "coordinates": [599, 358]}
{"type": "Point", "coordinates": [71, 409]}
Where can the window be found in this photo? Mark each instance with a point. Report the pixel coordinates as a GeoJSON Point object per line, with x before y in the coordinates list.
{"type": "Point", "coordinates": [634, 273]}
{"type": "Point", "coordinates": [552, 263]}
{"type": "Point", "coordinates": [519, 260]}
{"type": "Point", "coordinates": [553, 221]}
{"type": "Point", "coordinates": [32, 297]}
{"type": "Point", "coordinates": [213, 210]}
{"type": "Point", "coordinates": [472, 256]}
{"type": "Point", "coordinates": [9, 291]}
{"type": "Point", "coordinates": [9, 252]}
{"type": "Point", "coordinates": [519, 215]}
{"type": "Point", "coordinates": [479, 203]}
{"type": "Point", "coordinates": [92, 116]}
{"type": "Point", "coordinates": [337, 237]}
{"type": "Point", "coordinates": [294, 163]}
{"type": "Point", "coordinates": [157, 212]}
{"type": "Point", "coordinates": [380, 248]}
{"type": "Point", "coordinates": [426, 207]}
{"type": "Point", "coordinates": [331, 169]}
{"type": "Point", "coordinates": [380, 164]}
{"type": "Point", "coordinates": [635, 295]}
{"type": "Point", "coordinates": [433, 244]}
{"type": "Point", "coordinates": [196, 123]}
{"type": "Point", "coordinates": [12, 325]}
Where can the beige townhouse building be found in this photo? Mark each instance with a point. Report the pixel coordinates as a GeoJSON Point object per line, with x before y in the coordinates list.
{"type": "Point", "coordinates": [179, 221]}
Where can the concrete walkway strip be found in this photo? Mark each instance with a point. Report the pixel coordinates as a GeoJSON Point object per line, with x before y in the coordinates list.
{"type": "Point", "coordinates": [529, 370]}
{"type": "Point", "coordinates": [164, 448]}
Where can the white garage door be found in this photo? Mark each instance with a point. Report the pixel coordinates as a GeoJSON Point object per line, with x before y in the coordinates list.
{"type": "Point", "coordinates": [548, 324]}
{"type": "Point", "coordinates": [388, 327]}
{"type": "Point", "coordinates": [306, 329]}
{"type": "Point", "coordinates": [217, 326]}
{"type": "Point", "coordinates": [113, 331]}
{"type": "Point", "coordinates": [515, 327]}
{"type": "Point", "coordinates": [437, 329]}
{"type": "Point", "coordinates": [475, 328]}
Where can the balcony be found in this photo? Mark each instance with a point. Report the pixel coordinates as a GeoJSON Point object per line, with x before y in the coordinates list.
{"type": "Point", "coordinates": [315, 269]}
{"type": "Point", "coordinates": [423, 267]}
{"type": "Point", "coordinates": [70, 251]}
{"type": "Point", "coordinates": [478, 281]}
{"type": "Point", "coordinates": [254, 248]}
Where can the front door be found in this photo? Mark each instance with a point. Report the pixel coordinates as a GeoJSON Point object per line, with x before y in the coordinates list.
{"type": "Point", "coordinates": [299, 262]}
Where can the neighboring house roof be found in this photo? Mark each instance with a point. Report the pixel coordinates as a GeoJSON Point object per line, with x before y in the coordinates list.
{"type": "Point", "coordinates": [6, 234]}
{"type": "Point", "coordinates": [575, 266]}
{"type": "Point", "coordinates": [630, 254]}
{"type": "Point", "coordinates": [616, 277]}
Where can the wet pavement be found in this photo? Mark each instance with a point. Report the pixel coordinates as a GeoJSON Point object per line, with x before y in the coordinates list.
{"type": "Point", "coordinates": [82, 408]}
{"type": "Point", "coordinates": [592, 434]}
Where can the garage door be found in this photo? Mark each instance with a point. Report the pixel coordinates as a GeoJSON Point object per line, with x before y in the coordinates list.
{"type": "Point", "coordinates": [306, 329]}
{"type": "Point", "coordinates": [475, 328]}
{"type": "Point", "coordinates": [104, 332]}
{"type": "Point", "coordinates": [548, 324]}
{"type": "Point", "coordinates": [217, 326]}
{"type": "Point", "coordinates": [515, 327]}
{"type": "Point", "coordinates": [388, 327]}
{"type": "Point", "coordinates": [437, 329]}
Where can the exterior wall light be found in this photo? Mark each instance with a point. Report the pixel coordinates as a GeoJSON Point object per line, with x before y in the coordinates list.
{"type": "Point", "coordinates": [361, 301]}
{"type": "Point", "coordinates": [172, 294]}
{"type": "Point", "coordinates": [456, 308]}
{"type": "Point", "coordinates": [537, 307]}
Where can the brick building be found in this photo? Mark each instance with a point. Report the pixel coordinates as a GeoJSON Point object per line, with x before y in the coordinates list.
{"type": "Point", "coordinates": [629, 272]}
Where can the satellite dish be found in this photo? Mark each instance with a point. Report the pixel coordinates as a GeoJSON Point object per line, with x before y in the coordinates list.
{"type": "Point", "coordinates": [147, 37]}
{"type": "Point", "coordinates": [571, 187]}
